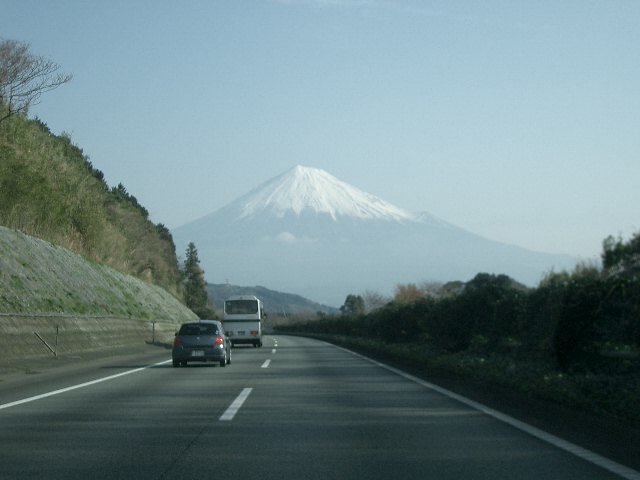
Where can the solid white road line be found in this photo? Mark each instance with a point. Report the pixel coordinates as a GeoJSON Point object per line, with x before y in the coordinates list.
{"type": "Point", "coordinates": [589, 456]}
{"type": "Point", "coordinates": [235, 406]}
{"type": "Point", "coordinates": [266, 363]}
{"type": "Point", "coordinates": [75, 387]}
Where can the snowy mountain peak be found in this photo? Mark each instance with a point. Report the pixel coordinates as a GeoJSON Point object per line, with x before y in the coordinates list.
{"type": "Point", "coordinates": [306, 189]}
{"type": "Point", "coordinates": [307, 232]}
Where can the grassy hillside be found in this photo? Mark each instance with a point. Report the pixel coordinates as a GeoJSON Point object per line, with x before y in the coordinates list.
{"type": "Point", "coordinates": [43, 286]}
{"type": "Point", "coordinates": [80, 263]}
{"type": "Point", "coordinates": [38, 277]}
{"type": "Point", "coordinates": [50, 190]}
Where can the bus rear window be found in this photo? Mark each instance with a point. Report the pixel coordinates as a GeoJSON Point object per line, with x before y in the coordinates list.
{"type": "Point", "coordinates": [240, 307]}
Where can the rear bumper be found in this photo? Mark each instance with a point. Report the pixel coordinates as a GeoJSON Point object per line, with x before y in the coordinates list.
{"type": "Point", "coordinates": [195, 354]}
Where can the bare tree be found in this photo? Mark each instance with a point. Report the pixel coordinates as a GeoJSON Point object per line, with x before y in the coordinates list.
{"type": "Point", "coordinates": [374, 300]}
{"type": "Point", "coordinates": [24, 77]}
{"type": "Point", "coordinates": [431, 289]}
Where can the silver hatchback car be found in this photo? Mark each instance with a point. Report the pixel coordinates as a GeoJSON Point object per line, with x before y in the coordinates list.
{"type": "Point", "coordinates": [201, 341]}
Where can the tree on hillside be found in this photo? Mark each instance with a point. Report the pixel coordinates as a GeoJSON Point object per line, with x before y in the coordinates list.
{"type": "Point", "coordinates": [121, 193]}
{"type": "Point", "coordinates": [618, 255]}
{"type": "Point", "coordinates": [353, 305]}
{"type": "Point", "coordinates": [195, 285]}
{"type": "Point", "coordinates": [374, 301]}
{"type": "Point", "coordinates": [24, 77]}
{"type": "Point", "coordinates": [407, 293]}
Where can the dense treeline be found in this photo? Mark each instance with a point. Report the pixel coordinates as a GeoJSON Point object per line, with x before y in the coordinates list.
{"type": "Point", "coordinates": [575, 339]}
{"type": "Point", "coordinates": [588, 320]}
{"type": "Point", "coordinates": [49, 189]}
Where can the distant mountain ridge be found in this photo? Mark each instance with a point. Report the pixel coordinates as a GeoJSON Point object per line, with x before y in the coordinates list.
{"type": "Point", "coordinates": [307, 232]}
{"type": "Point", "coordinates": [275, 303]}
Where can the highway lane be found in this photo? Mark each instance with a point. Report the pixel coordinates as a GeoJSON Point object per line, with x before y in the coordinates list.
{"type": "Point", "coordinates": [300, 408]}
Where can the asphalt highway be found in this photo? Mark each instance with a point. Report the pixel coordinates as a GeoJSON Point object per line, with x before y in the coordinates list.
{"type": "Point", "coordinates": [296, 408]}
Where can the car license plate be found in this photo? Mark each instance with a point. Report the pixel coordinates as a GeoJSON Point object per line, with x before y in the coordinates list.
{"type": "Point", "coordinates": [197, 353]}
{"type": "Point", "coordinates": [241, 332]}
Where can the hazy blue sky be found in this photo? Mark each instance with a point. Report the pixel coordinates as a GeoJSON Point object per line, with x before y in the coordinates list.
{"type": "Point", "coordinates": [517, 120]}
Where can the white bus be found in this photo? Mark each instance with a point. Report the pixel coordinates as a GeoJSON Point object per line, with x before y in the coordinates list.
{"type": "Point", "coordinates": [242, 319]}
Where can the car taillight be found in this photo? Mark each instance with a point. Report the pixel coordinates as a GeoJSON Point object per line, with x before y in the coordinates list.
{"type": "Point", "coordinates": [219, 341]}
{"type": "Point", "coordinates": [177, 342]}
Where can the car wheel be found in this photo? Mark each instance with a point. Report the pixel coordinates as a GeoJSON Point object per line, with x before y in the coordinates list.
{"type": "Point", "coordinates": [176, 363]}
{"type": "Point", "coordinates": [223, 362]}
{"type": "Point", "coordinates": [229, 358]}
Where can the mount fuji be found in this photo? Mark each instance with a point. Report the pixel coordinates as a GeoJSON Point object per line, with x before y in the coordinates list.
{"type": "Point", "coordinates": [308, 233]}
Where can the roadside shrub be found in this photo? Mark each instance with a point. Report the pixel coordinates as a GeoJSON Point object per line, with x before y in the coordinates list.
{"type": "Point", "coordinates": [541, 311]}
{"type": "Point", "coordinates": [574, 342]}
{"type": "Point", "coordinates": [399, 322]}
{"type": "Point", "coordinates": [489, 307]}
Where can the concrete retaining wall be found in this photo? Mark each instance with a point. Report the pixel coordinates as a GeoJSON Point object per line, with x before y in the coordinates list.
{"type": "Point", "coordinates": [77, 334]}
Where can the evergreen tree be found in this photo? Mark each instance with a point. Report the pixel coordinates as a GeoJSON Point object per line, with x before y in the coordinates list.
{"type": "Point", "coordinates": [353, 305]}
{"type": "Point", "coordinates": [195, 285]}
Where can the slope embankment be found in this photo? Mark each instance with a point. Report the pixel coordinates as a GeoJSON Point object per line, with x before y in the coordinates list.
{"type": "Point", "coordinates": [73, 305]}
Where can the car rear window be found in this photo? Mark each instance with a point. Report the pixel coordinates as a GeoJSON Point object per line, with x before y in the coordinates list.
{"type": "Point", "coordinates": [198, 329]}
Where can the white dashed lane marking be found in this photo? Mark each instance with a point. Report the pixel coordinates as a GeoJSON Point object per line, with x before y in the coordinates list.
{"type": "Point", "coordinates": [235, 406]}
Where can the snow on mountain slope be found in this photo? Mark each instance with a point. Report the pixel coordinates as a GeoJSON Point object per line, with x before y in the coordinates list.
{"type": "Point", "coordinates": [308, 233]}
{"type": "Point", "coordinates": [304, 189]}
